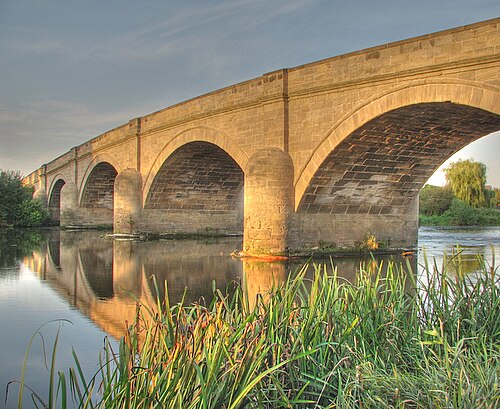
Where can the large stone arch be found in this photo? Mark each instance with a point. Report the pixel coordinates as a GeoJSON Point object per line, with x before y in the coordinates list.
{"type": "Point", "coordinates": [98, 191]}
{"type": "Point", "coordinates": [198, 189]}
{"type": "Point", "coordinates": [197, 134]}
{"type": "Point", "coordinates": [460, 93]}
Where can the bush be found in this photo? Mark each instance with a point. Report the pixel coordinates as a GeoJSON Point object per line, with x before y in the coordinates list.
{"type": "Point", "coordinates": [17, 207]}
{"type": "Point", "coordinates": [461, 214]}
{"type": "Point", "coordinates": [435, 200]}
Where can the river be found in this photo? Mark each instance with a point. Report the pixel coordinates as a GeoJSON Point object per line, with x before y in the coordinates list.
{"type": "Point", "coordinates": [88, 287]}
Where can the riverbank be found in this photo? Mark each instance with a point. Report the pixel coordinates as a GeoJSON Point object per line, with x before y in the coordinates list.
{"type": "Point", "coordinates": [462, 215]}
{"type": "Point", "coordinates": [383, 340]}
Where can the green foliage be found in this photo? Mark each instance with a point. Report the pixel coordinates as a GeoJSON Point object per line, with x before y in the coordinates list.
{"type": "Point", "coordinates": [386, 340]}
{"type": "Point", "coordinates": [461, 214]}
{"type": "Point", "coordinates": [467, 179]}
{"type": "Point", "coordinates": [435, 200]}
{"type": "Point", "coordinates": [17, 207]}
{"type": "Point", "coordinates": [493, 198]}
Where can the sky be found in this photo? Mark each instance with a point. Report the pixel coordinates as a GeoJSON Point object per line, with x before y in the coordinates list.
{"type": "Point", "coordinates": [73, 69]}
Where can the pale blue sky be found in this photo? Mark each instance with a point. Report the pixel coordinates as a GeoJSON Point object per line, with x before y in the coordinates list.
{"type": "Point", "coordinates": [72, 69]}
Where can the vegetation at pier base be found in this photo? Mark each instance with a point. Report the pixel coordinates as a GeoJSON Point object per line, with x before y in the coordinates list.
{"type": "Point", "coordinates": [17, 207]}
{"type": "Point", "coordinates": [386, 340]}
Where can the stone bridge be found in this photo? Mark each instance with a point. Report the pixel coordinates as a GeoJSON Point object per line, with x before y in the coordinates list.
{"type": "Point", "coordinates": [323, 153]}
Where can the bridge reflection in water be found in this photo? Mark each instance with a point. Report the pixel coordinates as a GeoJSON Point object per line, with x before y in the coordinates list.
{"type": "Point", "coordinates": [107, 280]}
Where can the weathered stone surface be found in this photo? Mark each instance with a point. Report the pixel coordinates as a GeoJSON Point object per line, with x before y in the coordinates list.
{"type": "Point", "coordinates": [99, 187]}
{"type": "Point", "coordinates": [268, 202]}
{"type": "Point", "coordinates": [381, 166]}
{"type": "Point", "coordinates": [127, 201]}
{"type": "Point", "coordinates": [69, 205]}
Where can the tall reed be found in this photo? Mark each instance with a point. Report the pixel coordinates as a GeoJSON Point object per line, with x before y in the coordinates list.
{"type": "Point", "coordinates": [390, 339]}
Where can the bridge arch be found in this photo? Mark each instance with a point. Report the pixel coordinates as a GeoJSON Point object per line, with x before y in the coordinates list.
{"type": "Point", "coordinates": [96, 199]}
{"type": "Point", "coordinates": [54, 201]}
{"type": "Point", "coordinates": [197, 134]}
{"type": "Point", "coordinates": [197, 176]}
{"type": "Point", "coordinates": [468, 95]}
{"type": "Point", "coordinates": [198, 189]}
{"type": "Point", "coordinates": [91, 168]}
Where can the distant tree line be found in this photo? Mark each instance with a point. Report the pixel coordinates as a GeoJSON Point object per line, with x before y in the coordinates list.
{"type": "Point", "coordinates": [465, 200]}
{"type": "Point", "coordinates": [17, 206]}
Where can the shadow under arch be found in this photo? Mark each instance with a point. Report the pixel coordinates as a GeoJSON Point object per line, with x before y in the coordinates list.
{"type": "Point", "coordinates": [380, 168]}
{"type": "Point", "coordinates": [197, 134]}
{"type": "Point", "coordinates": [197, 190]}
{"type": "Point", "coordinates": [419, 93]}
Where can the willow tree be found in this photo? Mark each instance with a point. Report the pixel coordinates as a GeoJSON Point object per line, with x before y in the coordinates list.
{"type": "Point", "coordinates": [467, 179]}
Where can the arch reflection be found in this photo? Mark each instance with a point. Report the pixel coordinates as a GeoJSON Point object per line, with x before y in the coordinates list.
{"type": "Point", "coordinates": [109, 280]}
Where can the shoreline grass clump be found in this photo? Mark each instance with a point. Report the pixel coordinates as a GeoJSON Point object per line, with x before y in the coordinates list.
{"type": "Point", "coordinates": [387, 340]}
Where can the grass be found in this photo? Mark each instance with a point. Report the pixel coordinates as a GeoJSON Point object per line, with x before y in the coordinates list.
{"type": "Point", "coordinates": [386, 340]}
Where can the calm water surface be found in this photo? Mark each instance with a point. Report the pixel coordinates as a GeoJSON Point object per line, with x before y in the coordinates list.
{"type": "Point", "coordinates": [92, 286]}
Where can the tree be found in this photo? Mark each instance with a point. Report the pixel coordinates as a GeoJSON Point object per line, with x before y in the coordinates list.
{"type": "Point", "coordinates": [435, 200]}
{"type": "Point", "coordinates": [467, 179]}
{"type": "Point", "coordinates": [493, 198]}
{"type": "Point", "coordinates": [17, 207]}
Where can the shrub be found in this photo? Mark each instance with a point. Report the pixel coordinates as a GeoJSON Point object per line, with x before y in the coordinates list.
{"type": "Point", "coordinates": [435, 200]}
{"type": "Point", "coordinates": [462, 214]}
{"type": "Point", "coordinates": [17, 207]}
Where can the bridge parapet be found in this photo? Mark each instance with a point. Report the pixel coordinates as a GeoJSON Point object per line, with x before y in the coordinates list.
{"type": "Point", "coordinates": [418, 55]}
{"type": "Point", "coordinates": [260, 90]}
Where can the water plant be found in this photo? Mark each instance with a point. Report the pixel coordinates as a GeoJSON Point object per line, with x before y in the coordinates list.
{"type": "Point", "coordinates": [389, 339]}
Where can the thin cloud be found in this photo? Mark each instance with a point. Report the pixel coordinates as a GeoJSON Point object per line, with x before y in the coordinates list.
{"type": "Point", "coordinates": [179, 31]}
{"type": "Point", "coordinates": [40, 131]}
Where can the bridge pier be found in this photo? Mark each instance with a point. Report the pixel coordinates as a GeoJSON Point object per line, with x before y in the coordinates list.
{"type": "Point", "coordinates": [353, 230]}
{"type": "Point", "coordinates": [268, 202]}
{"type": "Point", "coordinates": [127, 201]}
{"type": "Point", "coordinates": [69, 205]}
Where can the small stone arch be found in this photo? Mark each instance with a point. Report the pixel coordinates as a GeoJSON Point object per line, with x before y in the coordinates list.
{"type": "Point", "coordinates": [466, 93]}
{"type": "Point", "coordinates": [198, 134]}
{"type": "Point", "coordinates": [55, 181]}
{"type": "Point", "coordinates": [99, 159]}
{"type": "Point", "coordinates": [54, 198]}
